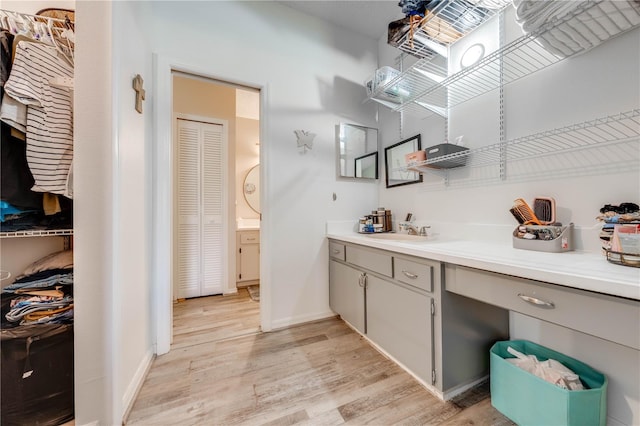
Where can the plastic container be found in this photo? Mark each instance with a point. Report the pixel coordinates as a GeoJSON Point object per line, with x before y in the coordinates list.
{"type": "Point", "coordinates": [529, 400]}
{"type": "Point", "coordinates": [561, 243]}
{"type": "Point", "coordinates": [442, 149]}
{"type": "Point", "coordinates": [394, 93]}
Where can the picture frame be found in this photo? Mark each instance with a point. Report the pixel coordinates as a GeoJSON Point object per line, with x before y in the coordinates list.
{"type": "Point", "coordinates": [366, 166]}
{"type": "Point", "coordinates": [396, 173]}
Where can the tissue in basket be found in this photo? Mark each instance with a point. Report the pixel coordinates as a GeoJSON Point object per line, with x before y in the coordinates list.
{"type": "Point", "coordinates": [415, 157]}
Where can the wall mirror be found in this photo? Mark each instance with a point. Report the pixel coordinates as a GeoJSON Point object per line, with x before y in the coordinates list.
{"type": "Point", "coordinates": [395, 162]}
{"type": "Point", "coordinates": [356, 146]}
{"type": "Point", "coordinates": [251, 188]}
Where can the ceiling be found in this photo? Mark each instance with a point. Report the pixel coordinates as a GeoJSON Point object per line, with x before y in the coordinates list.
{"type": "Point", "coordinates": [366, 17]}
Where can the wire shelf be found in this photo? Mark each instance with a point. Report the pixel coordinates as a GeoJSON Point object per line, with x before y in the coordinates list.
{"type": "Point", "coordinates": [518, 59]}
{"type": "Point", "coordinates": [604, 133]}
{"type": "Point", "coordinates": [37, 233]}
{"type": "Point", "coordinates": [446, 23]}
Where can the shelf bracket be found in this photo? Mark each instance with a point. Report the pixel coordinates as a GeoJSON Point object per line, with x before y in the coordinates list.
{"type": "Point", "coordinates": [503, 135]}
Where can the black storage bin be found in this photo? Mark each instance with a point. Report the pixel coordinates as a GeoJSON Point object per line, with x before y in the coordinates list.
{"type": "Point", "coordinates": [37, 374]}
{"type": "Point", "coordinates": [433, 152]}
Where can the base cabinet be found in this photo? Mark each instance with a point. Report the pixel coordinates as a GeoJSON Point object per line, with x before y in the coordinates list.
{"type": "Point", "coordinates": [399, 320]}
{"type": "Point", "coordinates": [400, 304]}
{"type": "Point", "coordinates": [248, 258]}
{"type": "Point", "coordinates": [346, 294]}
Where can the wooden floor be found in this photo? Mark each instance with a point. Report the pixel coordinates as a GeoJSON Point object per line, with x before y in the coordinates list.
{"type": "Point", "coordinates": [222, 371]}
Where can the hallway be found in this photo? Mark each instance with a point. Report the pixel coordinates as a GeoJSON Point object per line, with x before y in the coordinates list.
{"type": "Point", "coordinates": [223, 371]}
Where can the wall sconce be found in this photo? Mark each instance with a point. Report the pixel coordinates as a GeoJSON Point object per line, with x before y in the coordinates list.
{"type": "Point", "coordinates": [472, 55]}
{"type": "Point", "coordinates": [305, 139]}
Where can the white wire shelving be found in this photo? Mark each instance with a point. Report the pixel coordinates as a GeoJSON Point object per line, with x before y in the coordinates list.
{"type": "Point", "coordinates": [517, 59]}
{"type": "Point", "coordinates": [37, 233]}
{"type": "Point", "coordinates": [608, 133]}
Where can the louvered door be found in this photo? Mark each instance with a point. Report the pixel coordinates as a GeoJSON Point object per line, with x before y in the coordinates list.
{"type": "Point", "coordinates": [199, 237]}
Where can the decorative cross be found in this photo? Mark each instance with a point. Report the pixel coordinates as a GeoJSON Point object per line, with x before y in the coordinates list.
{"type": "Point", "coordinates": [137, 86]}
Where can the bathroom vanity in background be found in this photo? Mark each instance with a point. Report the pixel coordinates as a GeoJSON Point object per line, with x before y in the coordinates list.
{"type": "Point", "coordinates": [247, 257]}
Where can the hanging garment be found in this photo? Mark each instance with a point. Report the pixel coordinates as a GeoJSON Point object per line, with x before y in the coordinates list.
{"type": "Point", "coordinates": [6, 41]}
{"type": "Point", "coordinates": [49, 114]}
{"type": "Point", "coordinates": [16, 179]}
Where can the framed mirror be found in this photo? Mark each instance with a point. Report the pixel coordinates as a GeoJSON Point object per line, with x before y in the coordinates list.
{"type": "Point", "coordinates": [395, 162]}
{"type": "Point", "coordinates": [357, 143]}
{"type": "Point", "coordinates": [251, 188]}
{"type": "Point", "coordinates": [367, 166]}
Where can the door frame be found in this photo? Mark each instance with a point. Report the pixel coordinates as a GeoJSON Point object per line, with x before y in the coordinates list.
{"type": "Point", "coordinates": [162, 239]}
{"type": "Point", "coordinates": [226, 272]}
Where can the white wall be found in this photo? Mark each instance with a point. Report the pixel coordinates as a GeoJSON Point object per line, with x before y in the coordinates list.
{"type": "Point", "coordinates": [94, 160]}
{"type": "Point", "coordinates": [311, 75]}
{"type": "Point", "coordinates": [133, 345]}
{"type": "Point", "coordinates": [601, 82]}
{"type": "Point", "coordinates": [112, 209]}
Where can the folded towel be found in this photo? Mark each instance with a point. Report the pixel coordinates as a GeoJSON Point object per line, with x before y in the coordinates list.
{"type": "Point", "coordinates": [575, 34]}
{"type": "Point", "coordinates": [532, 14]}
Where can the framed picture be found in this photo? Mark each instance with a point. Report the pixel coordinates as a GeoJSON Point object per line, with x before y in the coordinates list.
{"type": "Point", "coordinates": [395, 164]}
{"type": "Point", "coordinates": [367, 166]}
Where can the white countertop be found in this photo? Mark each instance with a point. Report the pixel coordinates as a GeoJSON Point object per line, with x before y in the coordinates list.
{"type": "Point", "coordinates": [582, 270]}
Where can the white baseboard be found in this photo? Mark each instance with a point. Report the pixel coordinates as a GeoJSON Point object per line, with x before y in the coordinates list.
{"type": "Point", "coordinates": [290, 321]}
{"type": "Point", "coordinates": [135, 385]}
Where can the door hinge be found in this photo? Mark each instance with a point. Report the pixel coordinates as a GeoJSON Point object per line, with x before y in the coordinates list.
{"type": "Point", "coordinates": [433, 308]}
{"type": "Point", "coordinates": [433, 377]}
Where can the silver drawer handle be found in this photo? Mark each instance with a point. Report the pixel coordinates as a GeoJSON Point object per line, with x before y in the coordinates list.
{"type": "Point", "coordinates": [409, 275]}
{"type": "Point", "coordinates": [336, 251]}
{"type": "Point", "coordinates": [250, 239]}
{"type": "Point", "coordinates": [535, 301]}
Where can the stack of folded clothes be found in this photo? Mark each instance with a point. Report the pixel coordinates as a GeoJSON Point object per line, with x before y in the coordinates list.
{"type": "Point", "coordinates": [43, 294]}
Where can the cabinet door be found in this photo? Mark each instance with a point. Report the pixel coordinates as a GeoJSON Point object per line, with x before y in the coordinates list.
{"type": "Point", "coordinates": [400, 322]}
{"type": "Point", "coordinates": [346, 295]}
{"type": "Point", "coordinates": [249, 262]}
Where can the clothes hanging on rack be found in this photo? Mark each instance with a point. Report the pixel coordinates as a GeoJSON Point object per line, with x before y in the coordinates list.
{"type": "Point", "coordinates": [49, 114]}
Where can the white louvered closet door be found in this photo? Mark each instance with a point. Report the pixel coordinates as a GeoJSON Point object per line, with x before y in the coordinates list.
{"type": "Point", "coordinates": [200, 209]}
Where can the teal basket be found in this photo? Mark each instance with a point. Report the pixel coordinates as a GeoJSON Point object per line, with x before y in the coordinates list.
{"type": "Point", "coordinates": [529, 400]}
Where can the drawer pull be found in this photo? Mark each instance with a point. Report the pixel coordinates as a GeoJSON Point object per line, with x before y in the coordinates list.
{"type": "Point", "coordinates": [409, 275]}
{"type": "Point", "coordinates": [535, 301]}
{"type": "Point", "coordinates": [336, 251]}
{"type": "Point", "coordinates": [251, 239]}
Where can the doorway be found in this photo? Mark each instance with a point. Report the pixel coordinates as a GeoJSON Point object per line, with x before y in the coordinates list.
{"type": "Point", "coordinates": [208, 237]}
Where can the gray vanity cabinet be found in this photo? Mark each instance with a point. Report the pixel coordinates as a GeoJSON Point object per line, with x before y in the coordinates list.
{"type": "Point", "coordinates": [399, 321]}
{"type": "Point", "coordinates": [399, 303]}
{"type": "Point", "coordinates": [396, 316]}
{"type": "Point", "coordinates": [346, 294]}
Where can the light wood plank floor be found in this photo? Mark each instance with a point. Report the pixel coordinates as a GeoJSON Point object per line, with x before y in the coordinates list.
{"type": "Point", "coordinates": [223, 371]}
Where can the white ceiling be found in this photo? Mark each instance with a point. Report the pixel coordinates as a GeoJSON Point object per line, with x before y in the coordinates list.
{"type": "Point", "coordinates": [366, 17]}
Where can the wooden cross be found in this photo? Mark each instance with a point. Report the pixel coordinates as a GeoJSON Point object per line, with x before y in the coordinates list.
{"type": "Point", "coordinates": [137, 86]}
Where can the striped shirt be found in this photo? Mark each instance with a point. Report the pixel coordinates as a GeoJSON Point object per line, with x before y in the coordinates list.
{"type": "Point", "coordinates": [49, 114]}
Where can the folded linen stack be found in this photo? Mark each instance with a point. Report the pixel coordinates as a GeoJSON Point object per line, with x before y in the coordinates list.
{"type": "Point", "coordinates": [575, 32]}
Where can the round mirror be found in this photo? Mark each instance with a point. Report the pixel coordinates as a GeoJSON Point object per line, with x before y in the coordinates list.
{"type": "Point", "coordinates": [251, 188]}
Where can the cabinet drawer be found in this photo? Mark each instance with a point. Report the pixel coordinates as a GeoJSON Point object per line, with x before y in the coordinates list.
{"type": "Point", "coordinates": [250, 237]}
{"type": "Point", "coordinates": [610, 318]}
{"type": "Point", "coordinates": [371, 260]}
{"type": "Point", "coordinates": [413, 273]}
{"type": "Point", "coordinates": [336, 251]}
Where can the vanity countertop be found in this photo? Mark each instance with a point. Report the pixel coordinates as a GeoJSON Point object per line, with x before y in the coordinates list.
{"type": "Point", "coordinates": [577, 269]}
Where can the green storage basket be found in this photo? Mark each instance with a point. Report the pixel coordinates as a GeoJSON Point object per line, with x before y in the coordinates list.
{"type": "Point", "coordinates": [529, 400]}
